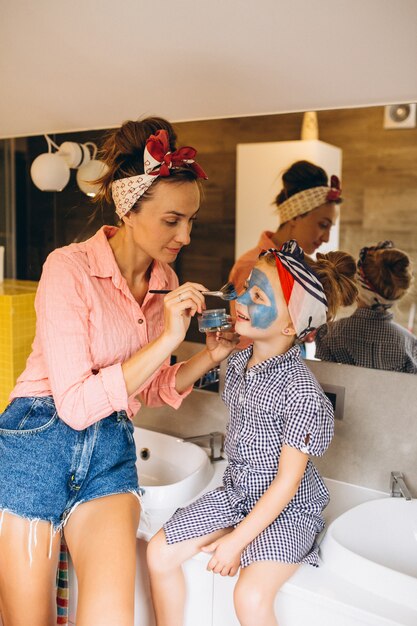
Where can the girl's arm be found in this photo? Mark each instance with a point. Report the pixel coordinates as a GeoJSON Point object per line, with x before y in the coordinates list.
{"type": "Point", "coordinates": [173, 383]}
{"type": "Point", "coordinates": [218, 347]}
{"type": "Point", "coordinates": [227, 549]}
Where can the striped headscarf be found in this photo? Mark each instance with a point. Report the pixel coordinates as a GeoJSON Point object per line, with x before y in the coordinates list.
{"type": "Point", "coordinates": [303, 291]}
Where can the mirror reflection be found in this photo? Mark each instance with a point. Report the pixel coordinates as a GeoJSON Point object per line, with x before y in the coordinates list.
{"type": "Point", "coordinates": [378, 333]}
{"type": "Point", "coordinates": [370, 337]}
{"type": "Point", "coordinates": [378, 172]}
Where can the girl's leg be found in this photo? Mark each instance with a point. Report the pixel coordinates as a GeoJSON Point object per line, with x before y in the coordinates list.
{"type": "Point", "coordinates": [101, 539]}
{"type": "Point", "coordinates": [166, 576]}
{"type": "Point", "coordinates": [256, 589]}
{"type": "Point", "coordinates": [28, 565]}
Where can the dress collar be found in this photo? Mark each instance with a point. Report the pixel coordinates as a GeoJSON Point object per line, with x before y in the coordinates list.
{"type": "Point", "coordinates": [240, 359]}
{"type": "Point", "coordinates": [368, 313]}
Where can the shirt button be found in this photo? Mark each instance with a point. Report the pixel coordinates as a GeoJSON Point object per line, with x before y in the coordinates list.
{"type": "Point", "coordinates": [140, 321]}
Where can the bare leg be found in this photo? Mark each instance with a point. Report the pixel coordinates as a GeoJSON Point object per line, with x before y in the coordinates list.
{"type": "Point", "coordinates": [27, 589]}
{"type": "Point", "coordinates": [256, 590]}
{"type": "Point", "coordinates": [166, 576]}
{"type": "Point", "coordinates": [101, 539]}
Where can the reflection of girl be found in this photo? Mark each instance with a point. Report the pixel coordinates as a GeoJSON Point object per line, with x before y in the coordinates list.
{"type": "Point", "coordinates": [307, 210]}
{"type": "Point", "coordinates": [370, 337]}
{"type": "Point", "coordinates": [267, 514]}
{"type": "Point", "coordinates": [102, 348]}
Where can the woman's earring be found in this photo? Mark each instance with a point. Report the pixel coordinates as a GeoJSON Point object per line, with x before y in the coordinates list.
{"type": "Point", "coordinates": [286, 331]}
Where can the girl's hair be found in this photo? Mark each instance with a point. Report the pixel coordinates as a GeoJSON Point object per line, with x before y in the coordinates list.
{"type": "Point", "coordinates": [300, 176]}
{"type": "Point", "coordinates": [389, 272]}
{"type": "Point", "coordinates": [336, 272]}
{"type": "Point", "coordinates": [123, 149]}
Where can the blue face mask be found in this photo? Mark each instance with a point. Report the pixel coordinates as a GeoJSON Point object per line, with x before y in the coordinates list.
{"type": "Point", "coordinates": [261, 315]}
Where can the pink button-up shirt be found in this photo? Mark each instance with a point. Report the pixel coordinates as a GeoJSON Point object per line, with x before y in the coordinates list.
{"type": "Point", "coordinates": [245, 264]}
{"type": "Point", "coordinates": [88, 324]}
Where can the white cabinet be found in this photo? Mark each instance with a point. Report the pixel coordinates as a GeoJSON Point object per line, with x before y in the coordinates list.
{"type": "Point", "coordinates": [258, 181]}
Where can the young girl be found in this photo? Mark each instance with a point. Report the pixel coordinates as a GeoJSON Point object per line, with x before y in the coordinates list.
{"type": "Point", "coordinates": [267, 514]}
{"type": "Point", "coordinates": [370, 337]}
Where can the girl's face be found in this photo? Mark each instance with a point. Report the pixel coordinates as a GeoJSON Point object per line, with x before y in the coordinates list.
{"type": "Point", "coordinates": [313, 229]}
{"type": "Point", "coordinates": [163, 225]}
{"type": "Point", "coordinates": [261, 310]}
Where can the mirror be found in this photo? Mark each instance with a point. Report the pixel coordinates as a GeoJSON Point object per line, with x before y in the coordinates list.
{"type": "Point", "coordinates": [379, 180]}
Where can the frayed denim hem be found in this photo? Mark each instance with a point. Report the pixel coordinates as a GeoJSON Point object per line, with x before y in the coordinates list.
{"type": "Point", "coordinates": [33, 525]}
{"type": "Point", "coordinates": [136, 492]}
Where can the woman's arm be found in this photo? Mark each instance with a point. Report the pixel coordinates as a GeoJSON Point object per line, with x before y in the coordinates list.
{"type": "Point", "coordinates": [177, 314]}
{"type": "Point", "coordinates": [84, 394]}
{"type": "Point", "coordinates": [227, 549]}
{"type": "Point", "coordinates": [218, 347]}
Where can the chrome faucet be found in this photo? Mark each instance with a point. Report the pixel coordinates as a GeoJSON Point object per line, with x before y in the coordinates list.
{"type": "Point", "coordinates": [398, 487]}
{"type": "Point", "coordinates": [215, 441]}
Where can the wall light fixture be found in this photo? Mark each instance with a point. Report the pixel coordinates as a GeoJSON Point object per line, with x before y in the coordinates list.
{"type": "Point", "coordinates": [51, 171]}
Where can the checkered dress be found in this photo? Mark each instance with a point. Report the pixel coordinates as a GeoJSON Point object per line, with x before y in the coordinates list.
{"type": "Point", "coordinates": [368, 338]}
{"type": "Point", "coordinates": [273, 403]}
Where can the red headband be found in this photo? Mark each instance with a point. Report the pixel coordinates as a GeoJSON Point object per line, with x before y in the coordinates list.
{"type": "Point", "coordinates": [285, 278]}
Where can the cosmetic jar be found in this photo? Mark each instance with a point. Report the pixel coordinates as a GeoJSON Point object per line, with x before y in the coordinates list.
{"type": "Point", "coordinates": [214, 319]}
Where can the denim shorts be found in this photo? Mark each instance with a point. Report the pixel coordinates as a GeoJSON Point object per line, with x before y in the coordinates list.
{"type": "Point", "coordinates": [48, 468]}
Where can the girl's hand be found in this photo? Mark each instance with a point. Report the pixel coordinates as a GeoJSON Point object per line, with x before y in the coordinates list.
{"type": "Point", "coordinates": [226, 556]}
{"type": "Point", "coordinates": [220, 344]}
{"type": "Point", "coordinates": [180, 305]}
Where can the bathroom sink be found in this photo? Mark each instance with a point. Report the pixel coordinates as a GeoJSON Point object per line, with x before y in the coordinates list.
{"type": "Point", "coordinates": [374, 546]}
{"type": "Point", "coordinates": [171, 471]}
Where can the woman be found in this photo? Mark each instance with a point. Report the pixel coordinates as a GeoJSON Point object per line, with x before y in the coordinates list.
{"type": "Point", "coordinates": [102, 347]}
{"type": "Point", "coordinates": [307, 209]}
{"type": "Point", "coordinates": [370, 337]}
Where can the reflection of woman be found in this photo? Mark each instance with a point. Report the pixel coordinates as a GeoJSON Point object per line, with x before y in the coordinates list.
{"type": "Point", "coordinates": [102, 344]}
{"type": "Point", "coordinates": [307, 210]}
{"type": "Point", "coordinates": [370, 337]}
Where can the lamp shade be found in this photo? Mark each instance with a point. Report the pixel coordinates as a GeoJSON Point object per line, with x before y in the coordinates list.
{"type": "Point", "coordinates": [50, 172]}
{"type": "Point", "coordinates": [88, 173]}
{"type": "Point", "coordinates": [75, 154]}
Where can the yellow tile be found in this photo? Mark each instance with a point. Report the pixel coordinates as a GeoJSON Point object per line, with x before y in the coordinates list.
{"type": "Point", "coordinates": [17, 331]}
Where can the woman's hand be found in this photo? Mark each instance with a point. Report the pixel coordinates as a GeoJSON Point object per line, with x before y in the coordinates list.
{"type": "Point", "coordinates": [226, 555]}
{"type": "Point", "coordinates": [180, 305]}
{"type": "Point", "coordinates": [220, 344]}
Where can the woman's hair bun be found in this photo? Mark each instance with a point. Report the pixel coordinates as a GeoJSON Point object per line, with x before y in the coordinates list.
{"type": "Point", "coordinates": [300, 176]}
{"type": "Point", "coordinates": [389, 271]}
{"type": "Point", "coordinates": [123, 149]}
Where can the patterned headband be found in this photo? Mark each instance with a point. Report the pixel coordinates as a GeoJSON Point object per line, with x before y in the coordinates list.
{"type": "Point", "coordinates": [157, 161]}
{"type": "Point", "coordinates": [309, 199]}
{"type": "Point", "coordinates": [367, 293]}
{"type": "Point", "coordinates": [303, 292]}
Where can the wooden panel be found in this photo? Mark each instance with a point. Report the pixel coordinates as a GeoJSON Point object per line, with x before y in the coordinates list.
{"type": "Point", "coordinates": [393, 209]}
{"type": "Point", "coordinates": [379, 179]}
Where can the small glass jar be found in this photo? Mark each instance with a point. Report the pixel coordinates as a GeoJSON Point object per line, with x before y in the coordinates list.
{"type": "Point", "coordinates": [212, 320]}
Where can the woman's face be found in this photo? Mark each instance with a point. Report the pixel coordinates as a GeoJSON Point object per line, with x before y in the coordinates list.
{"type": "Point", "coordinates": [313, 229]}
{"type": "Point", "coordinates": [163, 225]}
{"type": "Point", "coordinates": [261, 310]}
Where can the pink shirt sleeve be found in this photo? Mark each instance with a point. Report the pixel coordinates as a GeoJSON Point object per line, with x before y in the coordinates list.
{"type": "Point", "coordinates": [82, 396]}
{"type": "Point", "coordinates": [161, 390]}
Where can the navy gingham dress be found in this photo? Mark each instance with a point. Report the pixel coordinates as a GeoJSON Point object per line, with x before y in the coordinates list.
{"type": "Point", "coordinates": [273, 403]}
